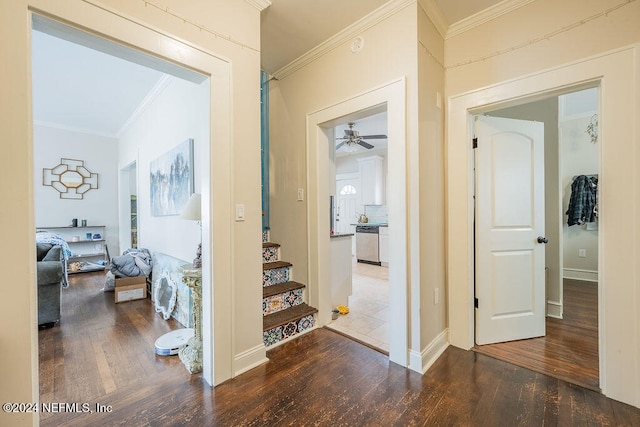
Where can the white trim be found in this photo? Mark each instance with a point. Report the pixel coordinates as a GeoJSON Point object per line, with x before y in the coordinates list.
{"type": "Point", "coordinates": [218, 267]}
{"type": "Point", "coordinates": [612, 71]}
{"type": "Point", "coordinates": [249, 359]}
{"type": "Point", "coordinates": [383, 12]}
{"type": "Point", "coordinates": [163, 82]}
{"type": "Point", "coordinates": [421, 362]}
{"type": "Point", "coordinates": [554, 309]}
{"type": "Point", "coordinates": [393, 95]}
{"type": "Point", "coordinates": [579, 274]}
{"type": "Point", "coordinates": [74, 129]}
{"type": "Point", "coordinates": [259, 4]}
{"type": "Point", "coordinates": [436, 16]}
{"type": "Point", "coordinates": [484, 16]}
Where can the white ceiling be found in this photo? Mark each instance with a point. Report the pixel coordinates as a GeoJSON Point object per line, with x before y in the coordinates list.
{"type": "Point", "coordinates": [77, 87]}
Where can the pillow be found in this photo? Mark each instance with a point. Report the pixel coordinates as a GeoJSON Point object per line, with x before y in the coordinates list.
{"type": "Point", "coordinates": [54, 254]}
{"type": "Point", "coordinates": [42, 249]}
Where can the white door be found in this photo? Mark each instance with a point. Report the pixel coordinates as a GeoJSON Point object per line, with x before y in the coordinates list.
{"type": "Point", "coordinates": [509, 231]}
{"type": "Point", "coordinates": [347, 191]}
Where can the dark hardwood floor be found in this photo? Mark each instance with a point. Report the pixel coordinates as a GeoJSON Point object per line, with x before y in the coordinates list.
{"type": "Point", "coordinates": [569, 351]}
{"type": "Point", "coordinates": [103, 353]}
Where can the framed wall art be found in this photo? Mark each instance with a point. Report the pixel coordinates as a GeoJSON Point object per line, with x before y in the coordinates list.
{"type": "Point", "coordinates": [171, 180]}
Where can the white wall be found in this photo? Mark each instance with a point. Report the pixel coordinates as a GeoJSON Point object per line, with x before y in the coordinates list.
{"type": "Point", "coordinates": [98, 206]}
{"type": "Point", "coordinates": [180, 112]}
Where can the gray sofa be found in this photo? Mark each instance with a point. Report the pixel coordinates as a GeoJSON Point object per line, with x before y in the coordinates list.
{"type": "Point", "coordinates": [50, 273]}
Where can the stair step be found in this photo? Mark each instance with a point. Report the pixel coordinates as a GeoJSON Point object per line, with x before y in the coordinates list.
{"type": "Point", "coordinates": [270, 245]}
{"type": "Point", "coordinates": [280, 288]}
{"type": "Point", "coordinates": [283, 317]}
{"type": "Point", "coordinates": [275, 264]}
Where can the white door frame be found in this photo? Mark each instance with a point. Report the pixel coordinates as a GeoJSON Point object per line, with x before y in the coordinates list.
{"type": "Point", "coordinates": [318, 140]}
{"type": "Point", "coordinates": [217, 268]}
{"type": "Point", "coordinates": [614, 72]}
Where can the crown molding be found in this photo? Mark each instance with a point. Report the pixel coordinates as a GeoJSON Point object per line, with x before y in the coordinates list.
{"type": "Point", "coordinates": [153, 94]}
{"type": "Point", "coordinates": [388, 9]}
{"type": "Point", "coordinates": [435, 15]}
{"type": "Point", "coordinates": [74, 129]}
{"type": "Point", "coordinates": [259, 4]}
{"type": "Point", "coordinates": [484, 16]}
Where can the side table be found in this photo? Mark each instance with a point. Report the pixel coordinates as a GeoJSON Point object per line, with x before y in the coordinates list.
{"type": "Point", "coordinates": [191, 354]}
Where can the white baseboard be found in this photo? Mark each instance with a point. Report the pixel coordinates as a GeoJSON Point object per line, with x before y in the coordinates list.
{"type": "Point", "coordinates": [421, 362]}
{"type": "Point", "coordinates": [249, 359]}
{"type": "Point", "coordinates": [554, 309]}
{"type": "Point", "coordinates": [578, 274]}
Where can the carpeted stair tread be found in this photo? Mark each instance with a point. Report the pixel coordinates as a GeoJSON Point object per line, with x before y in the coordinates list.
{"type": "Point", "coordinates": [275, 264]}
{"type": "Point", "coordinates": [280, 288]}
{"type": "Point", "coordinates": [270, 245]}
{"type": "Point", "coordinates": [285, 316]}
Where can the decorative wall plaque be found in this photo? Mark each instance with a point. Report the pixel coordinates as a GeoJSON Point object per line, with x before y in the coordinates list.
{"type": "Point", "coordinates": [70, 178]}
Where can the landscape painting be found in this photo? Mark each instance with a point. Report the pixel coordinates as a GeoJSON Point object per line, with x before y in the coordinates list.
{"type": "Point", "coordinates": [171, 180]}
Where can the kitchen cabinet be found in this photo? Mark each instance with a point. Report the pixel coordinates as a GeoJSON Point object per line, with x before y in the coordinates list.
{"type": "Point", "coordinates": [383, 246]}
{"type": "Point", "coordinates": [372, 180]}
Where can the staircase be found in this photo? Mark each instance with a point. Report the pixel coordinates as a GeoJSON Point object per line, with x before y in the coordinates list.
{"type": "Point", "coordinates": [285, 314]}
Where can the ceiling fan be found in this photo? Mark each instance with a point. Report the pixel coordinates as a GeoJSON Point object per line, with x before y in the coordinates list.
{"type": "Point", "coordinates": [352, 138]}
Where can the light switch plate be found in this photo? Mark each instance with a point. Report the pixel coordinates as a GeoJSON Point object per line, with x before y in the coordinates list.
{"type": "Point", "coordinates": [300, 194]}
{"type": "Point", "coordinates": [239, 212]}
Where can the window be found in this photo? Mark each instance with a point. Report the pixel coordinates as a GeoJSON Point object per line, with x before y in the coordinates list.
{"type": "Point", "coordinates": [348, 190]}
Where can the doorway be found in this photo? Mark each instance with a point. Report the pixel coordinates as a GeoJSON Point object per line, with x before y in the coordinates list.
{"type": "Point", "coordinates": [569, 348]}
{"type": "Point", "coordinates": [217, 70]}
{"type": "Point", "coordinates": [360, 172]}
{"type": "Point", "coordinates": [319, 140]}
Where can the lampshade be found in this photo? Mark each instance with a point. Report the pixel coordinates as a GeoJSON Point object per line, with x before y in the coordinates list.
{"type": "Point", "coordinates": [192, 209]}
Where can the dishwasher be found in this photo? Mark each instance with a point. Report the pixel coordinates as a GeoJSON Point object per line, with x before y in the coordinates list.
{"type": "Point", "coordinates": [367, 244]}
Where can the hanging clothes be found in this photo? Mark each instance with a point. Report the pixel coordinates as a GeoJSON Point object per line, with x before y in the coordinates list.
{"type": "Point", "coordinates": [583, 205]}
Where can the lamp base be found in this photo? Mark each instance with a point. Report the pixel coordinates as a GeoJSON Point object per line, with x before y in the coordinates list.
{"type": "Point", "coordinates": [197, 262]}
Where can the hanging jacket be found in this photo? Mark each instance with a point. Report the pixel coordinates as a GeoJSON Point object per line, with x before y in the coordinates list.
{"type": "Point", "coordinates": [584, 200]}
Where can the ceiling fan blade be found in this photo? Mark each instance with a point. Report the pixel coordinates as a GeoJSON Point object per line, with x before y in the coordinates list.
{"type": "Point", "coordinates": [339, 145]}
{"type": "Point", "coordinates": [373, 136]}
{"type": "Point", "coordinates": [365, 144]}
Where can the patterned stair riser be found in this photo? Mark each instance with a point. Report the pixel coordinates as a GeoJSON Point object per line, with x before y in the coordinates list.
{"type": "Point", "coordinates": [270, 254]}
{"type": "Point", "coordinates": [281, 301]}
{"type": "Point", "coordinates": [275, 275]}
{"type": "Point", "coordinates": [265, 236]}
{"type": "Point", "coordinates": [277, 334]}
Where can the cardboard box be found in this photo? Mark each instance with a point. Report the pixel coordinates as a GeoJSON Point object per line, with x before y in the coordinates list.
{"type": "Point", "coordinates": [130, 288]}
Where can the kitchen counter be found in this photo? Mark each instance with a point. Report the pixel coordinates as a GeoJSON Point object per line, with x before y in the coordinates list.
{"type": "Point", "coordinates": [334, 235]}
{"type": "Point", "coordinates": [373, 224]}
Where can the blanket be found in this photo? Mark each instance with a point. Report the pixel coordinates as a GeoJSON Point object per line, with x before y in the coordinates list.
{"type": "Point", "coordinates": [132, 263]}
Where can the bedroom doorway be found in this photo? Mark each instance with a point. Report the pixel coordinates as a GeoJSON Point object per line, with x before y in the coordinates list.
{"type": "Point", "coordinates": [569, 349]}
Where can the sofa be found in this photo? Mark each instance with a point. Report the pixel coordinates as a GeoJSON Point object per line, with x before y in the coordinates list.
{"type": "Point", "coordinates": [50, 274]}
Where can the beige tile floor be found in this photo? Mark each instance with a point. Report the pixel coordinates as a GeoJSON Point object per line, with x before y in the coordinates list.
{"type": "Point", "coordinates": [368, 318]}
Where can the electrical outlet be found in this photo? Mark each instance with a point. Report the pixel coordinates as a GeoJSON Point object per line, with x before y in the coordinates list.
{"type": "Point", "coordinates": [582, 253]}
{"type": "Point", "coordinates": [436, 296]}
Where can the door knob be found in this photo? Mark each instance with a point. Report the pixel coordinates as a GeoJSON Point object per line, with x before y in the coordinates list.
{"type": "Point", "coordinates": [542, 239]}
